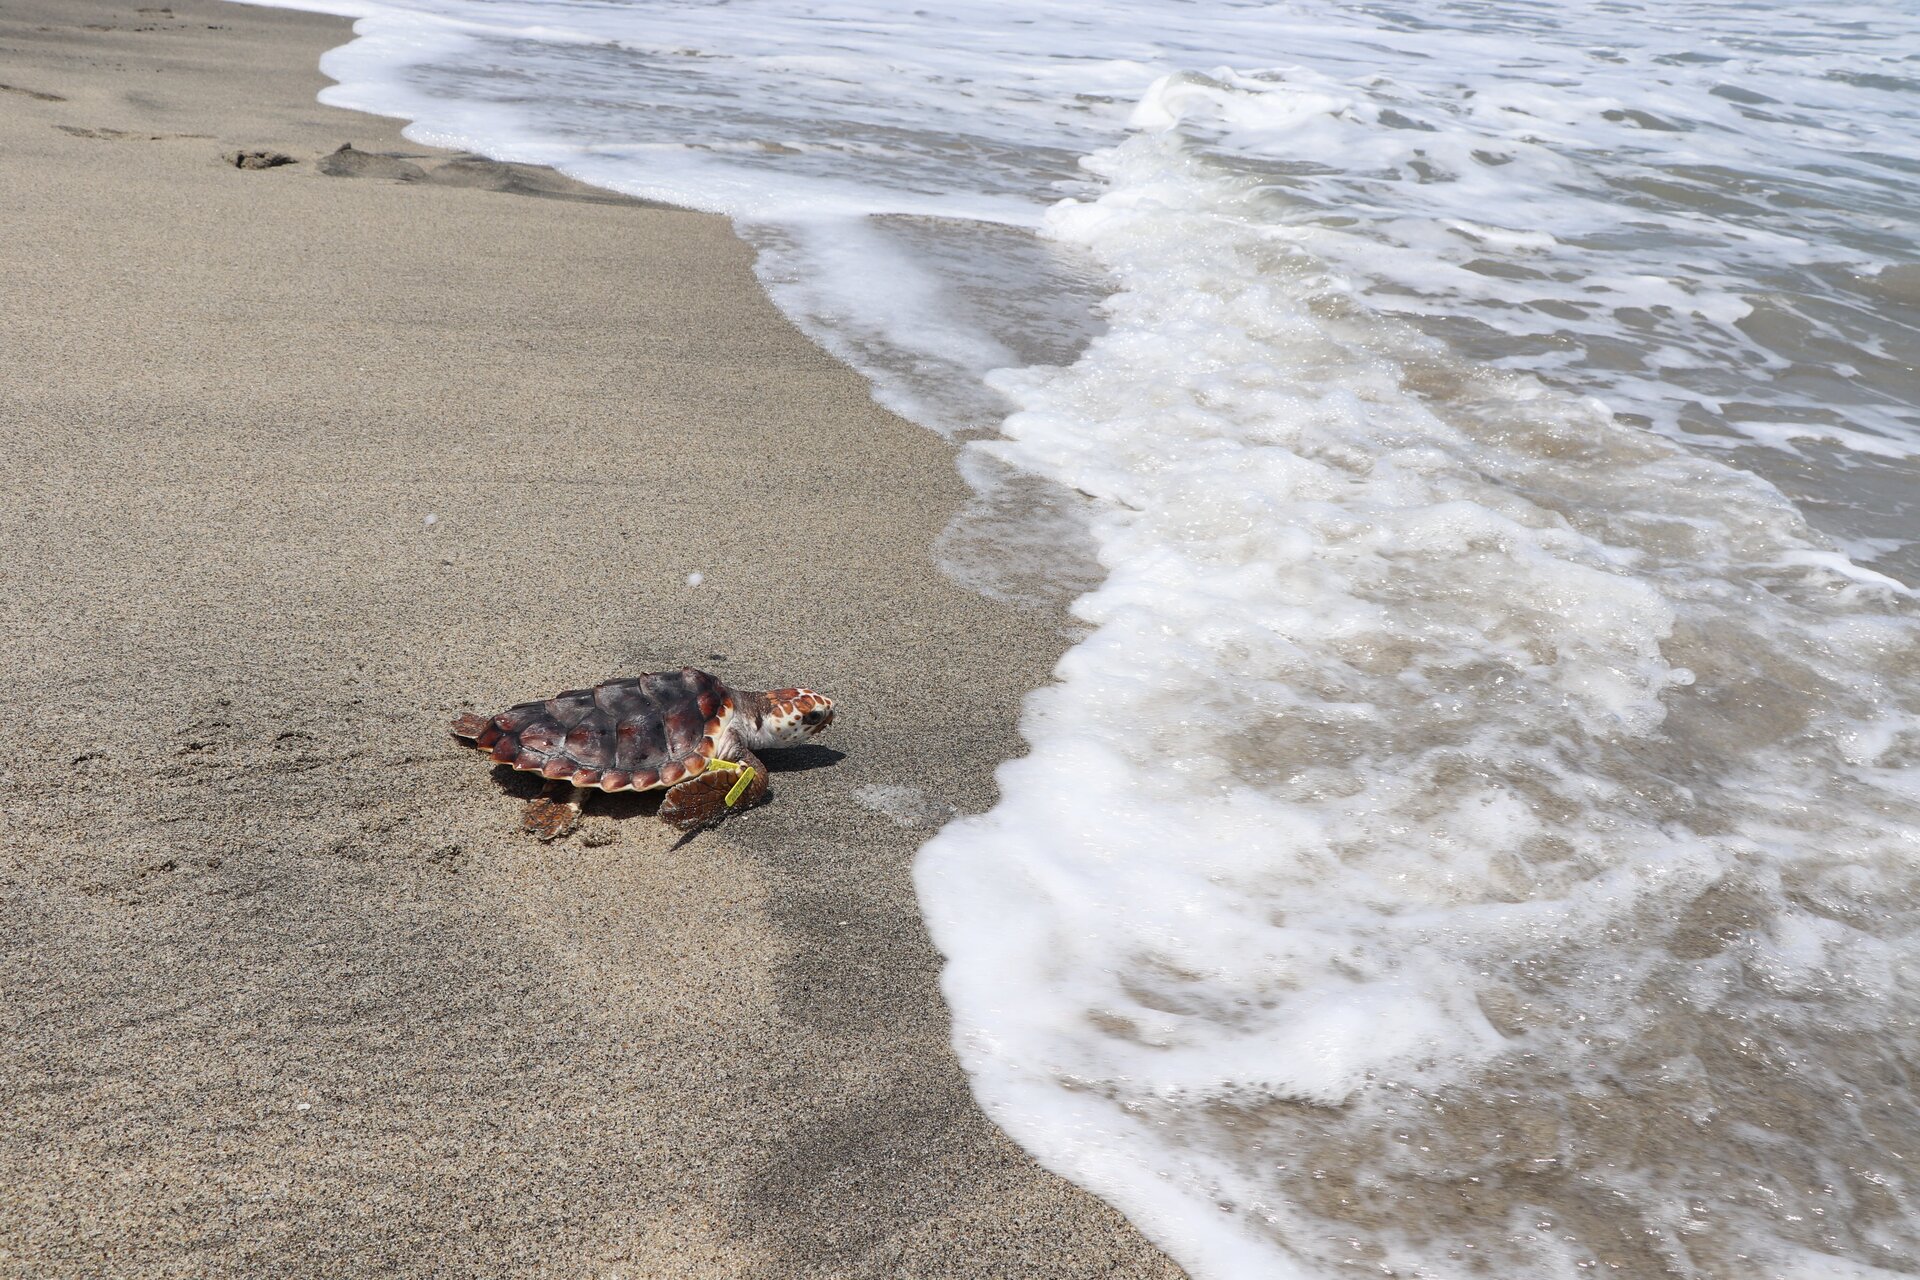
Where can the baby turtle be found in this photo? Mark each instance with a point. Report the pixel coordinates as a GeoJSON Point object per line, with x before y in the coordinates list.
{"type": "Point", "coordinates": [682, 730]}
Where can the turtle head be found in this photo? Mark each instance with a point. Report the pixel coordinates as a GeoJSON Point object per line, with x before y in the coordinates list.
{"type": "Point", "coordinates": [791, 717]}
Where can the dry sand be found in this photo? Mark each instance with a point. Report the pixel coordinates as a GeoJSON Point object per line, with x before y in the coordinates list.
{"type": "Point", "coordinates": [283, 990]}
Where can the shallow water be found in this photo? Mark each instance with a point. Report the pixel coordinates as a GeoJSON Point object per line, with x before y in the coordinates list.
{"type": "Point", "coordinates": [1475, 832]}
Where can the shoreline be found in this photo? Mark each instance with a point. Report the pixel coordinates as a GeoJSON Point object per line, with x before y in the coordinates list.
{"type": "Point", "coordinates": [295, 994]}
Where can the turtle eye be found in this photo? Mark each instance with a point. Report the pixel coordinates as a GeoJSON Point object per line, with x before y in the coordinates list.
{"type": "Point", "coordinates": [814, 717]}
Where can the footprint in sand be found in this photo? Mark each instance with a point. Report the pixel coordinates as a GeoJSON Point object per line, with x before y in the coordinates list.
{"type": "Point", "coordinates": [257, 159]}
{"type": "Point", "coordinates": [35, 94]}
{"type": "Point", "coordinates": [467, 171]}
{"type": "Point", "coordinates": [521, 180]}
{"type": "Point", "coordinates": [349, 163]}
{"type": "Point", "coordinates": [122, 135]}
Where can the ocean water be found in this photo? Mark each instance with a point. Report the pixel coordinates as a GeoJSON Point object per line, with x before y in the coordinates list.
{"type": "Point", "coordinates": [1476, 829]}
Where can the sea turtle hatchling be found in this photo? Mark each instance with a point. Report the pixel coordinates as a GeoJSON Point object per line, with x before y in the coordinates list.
{"type": "Point", "coordinates": [682, 730]}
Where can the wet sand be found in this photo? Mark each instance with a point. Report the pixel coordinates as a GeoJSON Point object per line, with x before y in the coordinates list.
{"type": "Point", "coordinates": [298, 465]}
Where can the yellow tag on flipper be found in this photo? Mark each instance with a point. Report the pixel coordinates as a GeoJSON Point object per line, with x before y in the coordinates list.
{"type": "Point", "coordinates": [745, 780]}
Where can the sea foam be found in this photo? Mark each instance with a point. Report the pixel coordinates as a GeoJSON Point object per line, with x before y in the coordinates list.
{"type": "Point", "coordinates": [1474, 826]}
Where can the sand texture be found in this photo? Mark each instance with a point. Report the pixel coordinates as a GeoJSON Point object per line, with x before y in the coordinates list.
{"type": "Point", "coordinates": [302, 459]}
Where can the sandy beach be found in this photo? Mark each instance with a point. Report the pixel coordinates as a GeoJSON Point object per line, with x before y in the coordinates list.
{"type": "Point", "coordinates": [298, 465]}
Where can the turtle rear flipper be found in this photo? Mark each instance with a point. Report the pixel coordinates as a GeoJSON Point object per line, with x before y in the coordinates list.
{"type": "Point", "coordinates": [469, 726]}
{"type": "Point", "coordinates": [553, 816]}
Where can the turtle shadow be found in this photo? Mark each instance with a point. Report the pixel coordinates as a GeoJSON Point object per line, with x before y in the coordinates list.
{"type": "Point", "coordinates": [800, 759]}
{"type": "Point", "coordinates": [519, 785]}
{"type": "Point", "coordinates": [618, 805]}
{"type": "Point", "coordinates": [624, 805]}
{"type": "Point", "coordinates": [523, 785]}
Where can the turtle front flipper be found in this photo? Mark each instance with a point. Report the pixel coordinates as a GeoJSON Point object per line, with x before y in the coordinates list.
{"type": "Point", "coordinates": [725, 786]}
{"type": "Point", "coordinates": [554, 815]}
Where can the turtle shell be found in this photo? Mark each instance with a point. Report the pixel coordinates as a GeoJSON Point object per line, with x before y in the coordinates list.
{"type": "Point", "coordinates": [625, 735]}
